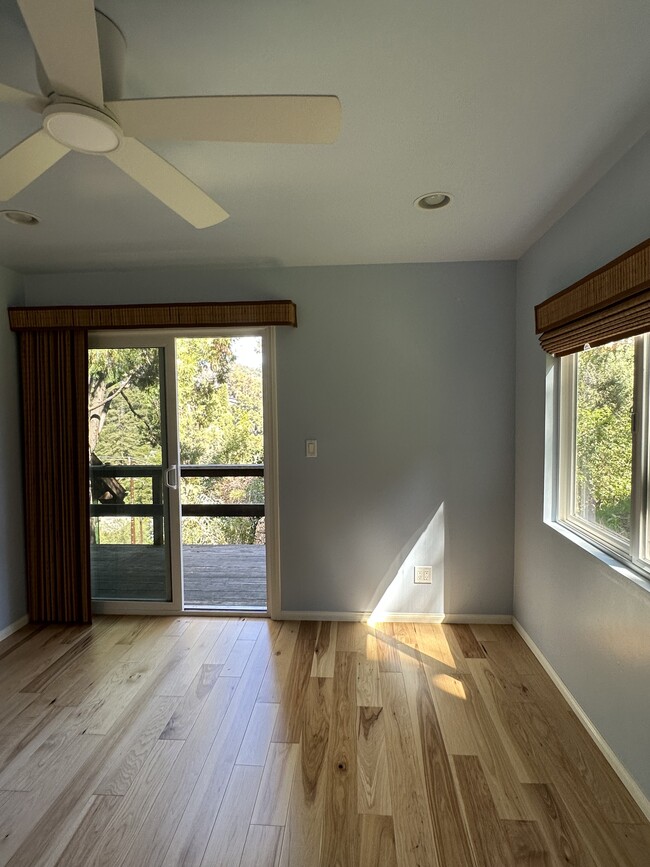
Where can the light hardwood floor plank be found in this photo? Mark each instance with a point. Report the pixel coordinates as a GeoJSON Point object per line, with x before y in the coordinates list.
{"type": "Point", "coordinates": [325, 650]}
{"type": "Point", "coordinates": [263, 846]}
{"type": "Point", "coordinates": [373, 790]}
{"type": "Point", "coordinates": [635, 838]}
{"type": "Point", "coordinates": [368, 686]}
{"type": "Point", "coordinates": [411, 819]}
{"type": "Point", "coordinates": [289, 719]}
{"type": "Point", "coordinates": [237, 658]}
{"type": "Point", "coordinates": [190, 706]}
{"type": "Point", "coordinates": [301, 845]}
{"type": "Point", "coordinates": [526, 843]}
{"type": "Point", "coordinates": [275, 788]}
{"type": "Point", "coordinates": [99, 812]}
{"type": "Point", "coordinates": [258, 734]}
{"type": "Point", "coordinates": [557, 827]}
{"type": "Point", "coordinates": [277, 672]}
{"type": "Point", "coordinates": [12, 642]}
{"type": "Point", "coordinates": [449, 829]}
{"type": "Point", "coordinates": [486, 832]}
{"type": "Point", "coordinates": [494, 698]}
{"type": "Point", "coordinates": [469, 646]}
{"type": "Point", "coordinates": [228, 838]}
{"type": "Point", "coordinates": [340, 821]}
{"type": "Point", "coordinates": [386, 647]}
{"type": "Point", "coordinates": [377, 842]}
{"type": "Point", "coordinates": [352, 637]}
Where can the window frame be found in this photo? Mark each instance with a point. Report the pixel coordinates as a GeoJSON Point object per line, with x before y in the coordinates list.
{"type": "Point", "coordinates": [635, 553]}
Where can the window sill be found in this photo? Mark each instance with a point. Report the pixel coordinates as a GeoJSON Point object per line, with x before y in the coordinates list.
{"type": "Point", "coordinates": [624, 569]}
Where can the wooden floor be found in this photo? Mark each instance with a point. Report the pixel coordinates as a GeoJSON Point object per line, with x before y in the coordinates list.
{"type": "Point", "coordinates": [214, 576]}
{"type": "Point", "coordinates": [162, 741]}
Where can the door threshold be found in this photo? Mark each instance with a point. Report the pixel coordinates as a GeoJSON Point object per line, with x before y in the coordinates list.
{"type": "Point", "coordinates": [226, 611]}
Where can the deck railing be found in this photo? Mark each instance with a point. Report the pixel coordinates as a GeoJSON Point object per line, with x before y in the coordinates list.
{"type": "Point", "coordinates": [155, 509]}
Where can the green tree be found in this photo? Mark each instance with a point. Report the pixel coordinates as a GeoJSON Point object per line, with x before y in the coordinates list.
{"type": "Point", "coordinates": [603, 435]}
{"type": "Point", "coordinates": [114, 376]}
{"type": "Point", "coordinates": [219, 418]}
{"type": "Point", "coordinates": [220, 422]}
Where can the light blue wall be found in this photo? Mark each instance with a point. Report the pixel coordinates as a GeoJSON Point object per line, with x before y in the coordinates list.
{"type": "Point", "coordinates": [404, 374]}
{"type": "Point", "coordinates": [13, 604]}
{"type": "Point", "coordinates": [591, 623]}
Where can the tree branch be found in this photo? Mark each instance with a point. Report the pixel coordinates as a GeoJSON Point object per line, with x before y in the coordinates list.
{"type": "Point", "coordinates": [113, 395]}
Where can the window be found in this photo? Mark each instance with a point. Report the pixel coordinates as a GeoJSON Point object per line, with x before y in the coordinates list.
{"type": "Point", "coordinates": [603, 448]}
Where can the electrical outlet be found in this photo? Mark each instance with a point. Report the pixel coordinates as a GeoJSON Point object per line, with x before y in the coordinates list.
{"type": "Point", "coordinates": [423, 575]}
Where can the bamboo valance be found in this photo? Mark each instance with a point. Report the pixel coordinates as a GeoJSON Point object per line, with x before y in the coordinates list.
{"type": "Point", "coordinates": [230, 314]}
{"type": "Point", "coordinates": [609, 304]}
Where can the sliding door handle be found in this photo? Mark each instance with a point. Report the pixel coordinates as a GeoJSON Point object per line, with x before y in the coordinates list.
{"type": "Point", "coordinates": [168, 477]}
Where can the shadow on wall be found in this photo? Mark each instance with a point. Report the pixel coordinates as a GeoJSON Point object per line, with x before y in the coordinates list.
{"type": "Point", "coordinates": [397, 593]}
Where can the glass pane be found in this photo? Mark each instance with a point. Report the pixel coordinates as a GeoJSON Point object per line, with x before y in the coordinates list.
{"type": "Point", "coordinates": [224, 562]}
{"type": "Point", "coordinates": [220, 419]}
{"type": "Point", "coordinates": [129, 555]}
{"type": "Point", "coordinates": [603, 447]}
{"type": "Point", "coordinates": [233, 489]}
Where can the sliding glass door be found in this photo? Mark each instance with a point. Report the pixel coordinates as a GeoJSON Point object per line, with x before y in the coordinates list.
{"type": "Point", "coordinates": [178, 444]}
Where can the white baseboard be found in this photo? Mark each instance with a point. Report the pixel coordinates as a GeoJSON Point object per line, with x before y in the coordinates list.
{"type": "Point", "coordinates": [496, 619]}
{"type": "Point", "coordinates": [618, 767]}
{"type": "Point", "coordinates": [13, 627]}
{"type": "Point", "coordinates": [324, 615]}
{"type": "Point", "coordinates": [395, 617]}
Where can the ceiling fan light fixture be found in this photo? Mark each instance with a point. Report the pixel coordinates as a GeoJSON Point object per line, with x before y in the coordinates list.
{"type": "Point", "coordinates": [432, 201]}
{"type": "Point", "coordinates": [82, 128]}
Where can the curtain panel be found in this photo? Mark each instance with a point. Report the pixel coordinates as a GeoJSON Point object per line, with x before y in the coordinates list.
{"type": "Point", "coordinates": [54, 368]}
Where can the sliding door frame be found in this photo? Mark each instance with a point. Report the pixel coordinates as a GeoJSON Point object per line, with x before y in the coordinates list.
{"type": "Point", "coordinates": [165, 338]}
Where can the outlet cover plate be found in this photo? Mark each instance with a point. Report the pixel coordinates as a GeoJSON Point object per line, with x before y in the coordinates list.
{"type": "Point", "coordinates": [423, 575]}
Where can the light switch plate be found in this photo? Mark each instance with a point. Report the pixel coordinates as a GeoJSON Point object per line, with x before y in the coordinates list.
{"type": "Point", "coordinates": [311, 448]}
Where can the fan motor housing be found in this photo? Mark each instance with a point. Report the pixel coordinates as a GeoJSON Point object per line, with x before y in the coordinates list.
{"type": "Point", "coordinates": [112, 55]}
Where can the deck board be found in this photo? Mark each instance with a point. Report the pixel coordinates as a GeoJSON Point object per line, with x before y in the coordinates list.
{"type": "Point", "coordinates": [214, 576]}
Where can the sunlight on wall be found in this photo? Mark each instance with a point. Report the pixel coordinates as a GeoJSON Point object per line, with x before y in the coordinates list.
{"type": "Point", "coordinates": [398, 593]}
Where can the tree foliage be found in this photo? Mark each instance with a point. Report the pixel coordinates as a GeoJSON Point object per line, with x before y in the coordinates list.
{"type": "Point", "coordinates": [605, 386]}
{"type": "Point", "coordinates": [219, 420]}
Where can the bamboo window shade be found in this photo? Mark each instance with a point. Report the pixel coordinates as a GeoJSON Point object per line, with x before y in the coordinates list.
{"type": "Point", "coordinates": [608, 304]}
{"type": "Point", "coordinates": [54, 373]}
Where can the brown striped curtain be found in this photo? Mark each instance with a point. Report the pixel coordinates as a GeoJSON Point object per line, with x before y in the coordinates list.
{"type": "Point", "coordinates": [609, 304]}
{"type": "Point", "coordinates": [54, 370]}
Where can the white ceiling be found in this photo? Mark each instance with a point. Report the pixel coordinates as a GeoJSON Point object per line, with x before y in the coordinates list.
{"type": "Point", "coordinates": [514, 107]}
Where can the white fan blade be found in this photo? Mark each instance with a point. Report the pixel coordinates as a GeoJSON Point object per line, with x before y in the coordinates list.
{"type": "Point", "coordinates": [64, 34]}
{"type": "Point", "coordinates": [22, 97]}
{"type": "Point", "coordinates": [27, 161]}
{"type": "Point", "coordinates": [167, 184]}
{"type": "Point", "coordinates": [271, 119]}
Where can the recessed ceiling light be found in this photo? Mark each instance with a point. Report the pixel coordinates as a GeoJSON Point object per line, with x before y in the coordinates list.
{"type": "Point", "coordinates": [21, 218]}
{"type": "Point", "coordinates": [432, 201]}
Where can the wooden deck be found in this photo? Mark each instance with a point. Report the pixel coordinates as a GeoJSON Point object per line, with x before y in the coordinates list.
{"type": "Point", "coordinates": [215, 576]}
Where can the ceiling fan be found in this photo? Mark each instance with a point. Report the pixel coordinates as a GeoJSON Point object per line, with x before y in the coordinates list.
{"type": "Point", "coordinates": [80, 58]}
